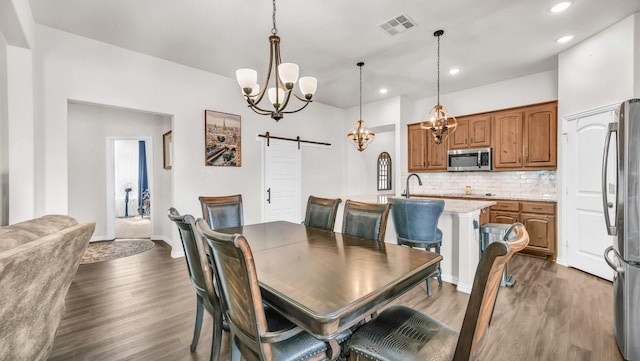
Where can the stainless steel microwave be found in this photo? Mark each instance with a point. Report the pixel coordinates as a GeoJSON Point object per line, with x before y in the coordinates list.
{"type": "Point", "coordinates": [470, 160]}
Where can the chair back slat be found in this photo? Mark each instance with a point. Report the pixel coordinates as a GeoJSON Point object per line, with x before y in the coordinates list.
{"type": "Point", "coordinates": [222, 212]}
{"type": "Point", "coordinates": [484, 292]}
{"type": "Point", "coordinates": [238, 281]}
{"type": "Point", "coordinates": [365, 220]}
{"type": "Point", "coordinates": [194, 251]}
{"type": "Point", "coordinates": [321, 212]}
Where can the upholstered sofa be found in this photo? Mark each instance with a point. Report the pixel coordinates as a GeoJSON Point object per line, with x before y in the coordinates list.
{"type": "Point", "coordinates": [38, 260]}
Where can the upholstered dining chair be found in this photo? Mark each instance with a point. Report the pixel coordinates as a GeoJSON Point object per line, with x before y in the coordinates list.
{"type": "Point", "coordinates": [401, 333]}
{"type": "Point", "coordinates": [222, 211]}
{"type": "Point", "coordinates": [365, 220]}
{"type": "Point", "coordinates": [256, 333]}
{"type": "Point", "coordinates": [416, 224]}
{"type": "Point", "coordinates": [202, 280]}
{"type": "Point", "coordinates": [321, 212]}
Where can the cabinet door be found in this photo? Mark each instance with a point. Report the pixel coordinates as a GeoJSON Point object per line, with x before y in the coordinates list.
{"type": "Point", "coordinates": [542, 232]}
{"type": "Point", "coordinates": [417, 148]}
{"type": "Point", "coordinates": [480, 131]}
{"type": "Point", "coordinates": [436, 154]}
{"type": "Point", "coordinates": [460, 138]}
{"type": "Point", "coordinates": [503, 217]}
{"type": "Point", "coordinates": [507, 137]}
{"type": "Point", "coordinates": [485, 216]}
{"type": "Point", "coordinates": [540, 136]}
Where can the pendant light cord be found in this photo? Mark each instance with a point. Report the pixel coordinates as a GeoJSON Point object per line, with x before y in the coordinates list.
{"type": "Point", "coordinates": [360, 65]}
{"type": "Point", "coordinates": [438, 68]}
{"type": "Point", "coordinates": [274, 31]}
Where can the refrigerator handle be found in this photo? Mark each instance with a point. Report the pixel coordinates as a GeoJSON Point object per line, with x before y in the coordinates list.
{"type": "Point", "coordinates": [613, 266]}
{"type": "Point", "coordinates": [611, 230]}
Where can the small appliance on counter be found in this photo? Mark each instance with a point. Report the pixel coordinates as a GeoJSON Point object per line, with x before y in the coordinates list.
{"type": "Point", "coordinates": [470, 160]}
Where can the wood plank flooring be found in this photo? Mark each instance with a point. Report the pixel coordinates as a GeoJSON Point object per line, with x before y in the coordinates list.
{"type": "Point", "coordinates": [142, 307]}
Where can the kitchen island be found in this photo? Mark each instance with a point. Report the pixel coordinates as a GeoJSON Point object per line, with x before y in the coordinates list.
{"type": "Point", "coordinates": [460, 236]}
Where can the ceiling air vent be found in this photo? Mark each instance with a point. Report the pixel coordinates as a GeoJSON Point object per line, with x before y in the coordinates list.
{"type": "Point", "coordinates": [397, 24]}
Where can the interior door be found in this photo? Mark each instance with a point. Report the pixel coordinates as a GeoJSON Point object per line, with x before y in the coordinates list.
{"type": "Point", "coordinates": [282, 181]}
{"type": "Point", "coordinates": [585, 232]}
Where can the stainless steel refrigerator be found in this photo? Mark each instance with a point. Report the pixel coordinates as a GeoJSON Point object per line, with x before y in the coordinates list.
{"type": "Point", "coordinates": [621, 203]}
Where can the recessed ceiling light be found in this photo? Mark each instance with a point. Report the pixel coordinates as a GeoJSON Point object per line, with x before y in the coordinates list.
{"type": "Point", "coordinates": [565, 39]}
{"type": "Point", "coordinates": [454, 71]}
{"type": "Point", "coordinates": [383, 91]}
{"type": "Point", "coordinates": [560, 7]}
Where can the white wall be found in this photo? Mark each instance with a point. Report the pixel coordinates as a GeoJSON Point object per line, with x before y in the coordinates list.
{"type": "Point", "coordinates": [80, 69]}
{"type": "Point", "coordinates": [361, 172]}
{"type": "Point", "coordinates": [600, 70]}
{"type": "Point", "coordinates": [21, 134]}
{"type": "Point", "coordinates": [4, 140]}
{"type": "Point", "coordinates": [89, 126]}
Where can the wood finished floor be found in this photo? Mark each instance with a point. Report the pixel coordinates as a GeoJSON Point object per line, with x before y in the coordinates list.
{"type": "Point", "coordinates": [142, 307]}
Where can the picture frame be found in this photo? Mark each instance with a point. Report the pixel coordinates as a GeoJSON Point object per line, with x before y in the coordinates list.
{"type": "Point", "coordinates": [222, 139]}
{"type": "Point", "coordinates": [167, 144]}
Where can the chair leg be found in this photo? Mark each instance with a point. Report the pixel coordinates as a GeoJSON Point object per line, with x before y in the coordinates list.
{"type": "Point", "coordinates": [428, 286]}
{"type": "Point", "coordinates": [235, 351]}
{"type": "Point", "coordinates": [198, 325]}
{"type": "Point", "coordinates": [216, 337]}
{"type": "Point", "coordinates": [439, 267]}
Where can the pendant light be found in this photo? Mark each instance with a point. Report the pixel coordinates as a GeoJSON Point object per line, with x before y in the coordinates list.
{"type": "Point", "coordinates": [440, 122]}
{"type": "Point", "coordinates": [286, 75]}
{"type": "Point", "coordinates": [360, 136]}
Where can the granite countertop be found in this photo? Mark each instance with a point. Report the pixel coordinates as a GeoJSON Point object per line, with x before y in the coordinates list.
{"type": "Point", "coordinates": [450, 205]}
{"type": "Point", "coordinates": [488, 196]}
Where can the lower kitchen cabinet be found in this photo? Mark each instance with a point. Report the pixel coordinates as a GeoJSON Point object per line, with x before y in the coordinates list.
{"type": "Point", "coordinates": [542, 233]}
{"type": "Point", "coordinates": [504, 217]}
{"type": "Point", "coordinates": [538, 218]}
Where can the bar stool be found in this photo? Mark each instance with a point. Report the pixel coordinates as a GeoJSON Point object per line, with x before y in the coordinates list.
{"type": "Point", "coordinates": [416, 223]}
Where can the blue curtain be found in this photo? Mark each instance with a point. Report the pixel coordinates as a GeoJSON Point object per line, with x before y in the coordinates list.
{"type": "Point", "coordinates": [143, 184]}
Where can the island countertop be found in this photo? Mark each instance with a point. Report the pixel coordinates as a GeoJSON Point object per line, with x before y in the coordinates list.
{"type": "Point", "coordinates": [450, 205]}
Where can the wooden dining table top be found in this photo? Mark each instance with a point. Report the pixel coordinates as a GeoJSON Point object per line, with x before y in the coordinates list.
{"type": "Point", "coordinates": [325, 281]}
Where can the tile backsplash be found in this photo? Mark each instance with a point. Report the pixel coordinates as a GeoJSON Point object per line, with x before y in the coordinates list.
{"type": "Point", "coordinates": [526, 185]}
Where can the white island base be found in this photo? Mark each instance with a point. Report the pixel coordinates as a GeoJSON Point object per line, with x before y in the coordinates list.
{"type": "Point", "coordinates": [460, 236]}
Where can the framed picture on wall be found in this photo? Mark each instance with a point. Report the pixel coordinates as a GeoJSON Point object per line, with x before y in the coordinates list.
{"type": "Point", "coordinates": [222, 139]}
{"type": "Point", "coordinates": [166, 150]}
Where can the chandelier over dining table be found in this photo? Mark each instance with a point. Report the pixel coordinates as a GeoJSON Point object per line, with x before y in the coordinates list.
{"type": "Point", "coordinates": [285, 76]}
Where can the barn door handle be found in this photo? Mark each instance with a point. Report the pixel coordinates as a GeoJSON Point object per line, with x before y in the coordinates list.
{"type": "Point", "coordinates": [269, 195]}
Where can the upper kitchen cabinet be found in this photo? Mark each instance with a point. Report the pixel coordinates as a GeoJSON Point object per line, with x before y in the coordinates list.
{"type": "Point", "coordinates": [473, 131]}
{"type": "Point", "coordinates": [423, 153]}
{"type": "Point", "coordinates": [436, 155]}
{"type": "Point", "coordinates": [417, 150]}
{"type": "Point", "coordinates": [526, 138]}
{"type": "Point", "coordinates": [507, 135]}
{"type": "Point", "coordinates": [540, 136]}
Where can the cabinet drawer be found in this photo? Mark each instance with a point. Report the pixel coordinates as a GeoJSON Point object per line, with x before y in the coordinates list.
{"type": "Point", "coordinates": [536, 207]}
{"type": "Point", "coordinates": [513, 206]}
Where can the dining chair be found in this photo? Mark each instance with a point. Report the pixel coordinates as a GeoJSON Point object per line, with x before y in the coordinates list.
{"type": "Point", "coordinates": [256, 333]}
{"type": "Point", "coordinates": [202, 280]}
{"type": "Point", "coordinates": [365, 220]}
{"type": "Point", "coordinates": [222, 211]}
{"type": "Point", "coordinates": [402, 333]}
{"type": "Point", "coordinates": [416, 224]}
{"type": "Point", "coordinates": [321, 212]}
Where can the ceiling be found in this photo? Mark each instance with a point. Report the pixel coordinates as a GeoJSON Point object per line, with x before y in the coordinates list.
{"type": "Point", "coordinates": [489, 40]}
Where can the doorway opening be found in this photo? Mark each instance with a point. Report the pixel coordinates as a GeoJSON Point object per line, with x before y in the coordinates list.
{"type": "Point", "coordinates": [132, 198]}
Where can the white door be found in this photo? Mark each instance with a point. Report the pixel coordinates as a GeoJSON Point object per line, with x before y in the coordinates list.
{"type": "Point", "coordinates": [585, 233]}
{"type": "Point", "coordinates": [282, 181]}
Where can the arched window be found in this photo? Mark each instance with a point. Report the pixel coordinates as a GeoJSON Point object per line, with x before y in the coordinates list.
{"type": "Point", "coordinates": [384, 172]}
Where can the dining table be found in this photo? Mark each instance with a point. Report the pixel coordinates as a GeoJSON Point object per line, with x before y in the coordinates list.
{"type": "Point", "coordinates": [327, 282]}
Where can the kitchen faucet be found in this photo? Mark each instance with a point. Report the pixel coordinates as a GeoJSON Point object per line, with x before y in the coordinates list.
{"type": "Point", "coordinates": [406, 195]}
